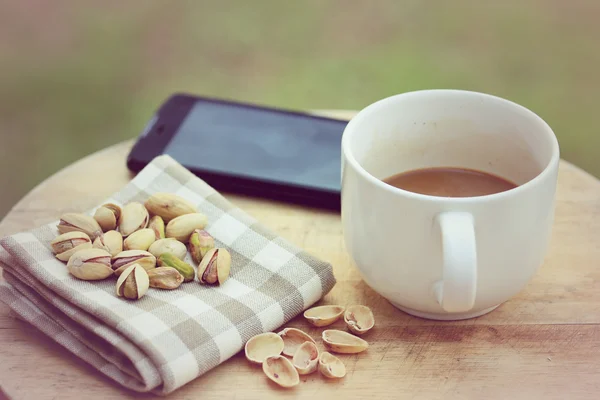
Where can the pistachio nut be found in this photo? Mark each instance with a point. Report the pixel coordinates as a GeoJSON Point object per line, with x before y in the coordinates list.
{"type": "Point", "coordinates": [129, 257]}
{"type": "Point", "coordinates": [139, 240]}
{"type": "Point", "coordinates": [133, 282]}
{"type": "Point", "coordinates": [263, 345]}
{"type": "Point", "coordinates": [331, 366]}
{"type": "Point", "coordinates": [111, 241]}
{"type": "Point", "coordinates": [170, 245]}
{"type": "Point", "coordinates": [182, 227]}
{"type": "Point", "coordinates": [165, 278]}
{"type": "Point", "coordinates": [134, 216]}
{"type": "Point", "coordinates": [281, 371]}
{"type": "Point", "coordinates": [70, 222]}
{"type": "Point", "coordinates": [67, 244]}
{"type": "Point", "coordinates": [185, 269]}
{"type": "Point", "coordinates": [169, 206]}
{"type": "Point", "coordinates": [359, 319]}
{"type": "Point", "coordinates": [200, 243]}
{"type": "Point", "coordinates": [306, 358]}
{"type": "Point", "coordinates": [158, 226]}
{"type": "Point", "coordinates": [90, 264]}
{"type": "Point", "coordinates": [107, 216]}
{"type": "Point", "coordinates": [343, 342]}
{"type": "Point", "coordinates": [214, 268]}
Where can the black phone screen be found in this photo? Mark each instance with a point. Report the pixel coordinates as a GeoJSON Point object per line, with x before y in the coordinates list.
{"type": "Point", "coordinates": [279, 147]}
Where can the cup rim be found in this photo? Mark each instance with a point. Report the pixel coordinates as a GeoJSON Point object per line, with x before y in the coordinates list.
{"type": "Point", "coordinates": [349, 156]}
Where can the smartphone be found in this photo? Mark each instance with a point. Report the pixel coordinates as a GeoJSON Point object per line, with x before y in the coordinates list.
{"type": "Point", "coordinates": [248, 149]}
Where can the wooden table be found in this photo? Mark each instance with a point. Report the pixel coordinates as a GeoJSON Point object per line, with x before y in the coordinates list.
{"type": "Point", "coordinates": [543, 343]}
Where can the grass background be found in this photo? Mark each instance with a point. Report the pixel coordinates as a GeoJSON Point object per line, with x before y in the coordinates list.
{"type": "Point", "coordinates": [78, 76]}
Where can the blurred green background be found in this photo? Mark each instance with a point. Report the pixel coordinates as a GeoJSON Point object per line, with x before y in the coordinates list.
{"type": "Point", "coordinates": [77, 76]}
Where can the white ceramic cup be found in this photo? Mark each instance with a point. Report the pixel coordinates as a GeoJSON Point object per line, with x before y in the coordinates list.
{"type": "Point", "coordinates": [439, 257]}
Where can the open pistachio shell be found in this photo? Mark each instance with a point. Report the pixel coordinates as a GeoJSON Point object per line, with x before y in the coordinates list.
{"type": "Point", "coordinates": [293, 339]}
{"type": "Point", "coordinates": [134, 216]}
{"type": "Point", "coordinates": [306, 358]}
{"type": "Point", "coordinates": [70, 222]}
{"type": "Point", "coordinates": [90, 264]}
{"type": "Point", "coordinates": [359, 319]}
{"type": "Point", "coordinates": [281, 371]}
{"type": "Point", "coordinates": [214, 267]}
{"type": "Point", "coordinates": [264, 345]}
{"type": "Point", "coordinates": [68, 241]}
{"type": "Point", "coordinates": [65, 256]}
{"type": "Point", "coordinates": [201, 242]}
{"type": "Point", "coordinates": [330, 366]}
{"type": "Point", "coordinates": [108, 216]}
{"type": "Point", "coordinates": [111, 241]}
{"type": "Point", "coordinates": [67, 244]}
{"type": "Point", "coordinates": [133, 282]}
{"type": "Point", "coordinates": [126, 258]}
{"type": "Point", "coordinates": [343, 342]}
{"type": "Point", "coordinates": [324, 315]}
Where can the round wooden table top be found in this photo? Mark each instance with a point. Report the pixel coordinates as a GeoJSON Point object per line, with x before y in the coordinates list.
{"type": "Point", "coordinates": [543, 343]}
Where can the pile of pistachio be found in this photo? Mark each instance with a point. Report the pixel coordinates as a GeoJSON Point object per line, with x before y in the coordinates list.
{"type": "Point", "coordinates": [143, 245]}
{"type": "Point", "coordinates": [267, 348]}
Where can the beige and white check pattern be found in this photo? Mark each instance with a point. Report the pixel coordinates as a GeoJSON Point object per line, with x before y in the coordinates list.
{"type": "Point", "coordinates": [167, 338]}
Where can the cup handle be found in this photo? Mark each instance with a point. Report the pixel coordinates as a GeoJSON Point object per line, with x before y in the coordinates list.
{"type": "Point", "coordinates": [456, 291]}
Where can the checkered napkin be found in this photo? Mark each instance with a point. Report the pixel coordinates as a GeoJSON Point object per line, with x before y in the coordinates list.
{"type": "Point", "coordinates": [169, 337]}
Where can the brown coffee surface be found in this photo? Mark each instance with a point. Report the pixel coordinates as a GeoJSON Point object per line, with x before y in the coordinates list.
{"type": "Point", "coordinates": [450, 182]}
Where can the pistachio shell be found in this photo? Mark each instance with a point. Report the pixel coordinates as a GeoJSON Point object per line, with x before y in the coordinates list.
{"type": "Point", "coordinates": [67, 244]}
{"type": "Point", "coordinates": [306, 358]}
{"type": "Point", "coordinates": [170, 245]}
{"type": "Point", "coordinates": [133, 282]}
{"type": "Point", "coordinates": [359, 319]}
{"type": "Point", "coordinates": [70, 222]}
{"type": "Point", "coordinates": [165, 278]}
{"type": "Point", "coordinates": [107, 217]}
{"type": "Point", "coordinates": [111, 241]}
{"type": "Point", "coordinates": [181, 228]}
{"type": "Point", "coordinates": [201, 242]}
{"type": "Point", "coordinates": [129, 257]}
{"type": "Point", "coordinates": [343, 342]}
{"type": "Point", "coordinates": [330, 366]}
{"type": "Point", "coordinates": [139, 240]}
{"type": "Point", "coordinates": [157, 224]}
{"type": "Point", "coordinates": [215, 267]}
{"type": "Point", "coordinates": [324, 315]}
{"type": "Point", "coordinates": [264, 345]}
{"type": "Point", "coordinates": [68, 240]}
{"type": "Point", "coordinates": [66, 255]}
{"type": "Point", "coordinates": [292, 339]}
{"type": "Point", "coordinates": [281, 371]}
{"type": "Point", "coordinates": [169, 206]}
{"type": "Point", "coordinates": [134, 216]}
{"type": "Point", "coordinates": [114, 208]}
{"type": "Point", "coordinates": [90, 264]}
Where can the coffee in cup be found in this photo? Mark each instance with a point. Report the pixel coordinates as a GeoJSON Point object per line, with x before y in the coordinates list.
{"type": "Point", "coordinates": [448, 199]}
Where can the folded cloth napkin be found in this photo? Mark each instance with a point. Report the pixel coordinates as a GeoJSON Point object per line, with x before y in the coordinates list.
{"type": "Point", "coordinates": [168, 337]}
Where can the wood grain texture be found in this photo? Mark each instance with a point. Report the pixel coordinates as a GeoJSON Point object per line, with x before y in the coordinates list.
{"type": "Point", "coordinates": [544, 342]}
